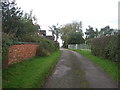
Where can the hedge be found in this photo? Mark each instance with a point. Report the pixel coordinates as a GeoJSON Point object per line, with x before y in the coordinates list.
{"type": "Point", "coordinates": [106, 47]}
{"type": "Point", "coordinates": [7, 41]}
{"type": "Point", "coordinates": [47, 47]}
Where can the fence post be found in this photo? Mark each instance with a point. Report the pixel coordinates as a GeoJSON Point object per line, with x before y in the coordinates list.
{"type": "Point", "coordinates": [76, 46]}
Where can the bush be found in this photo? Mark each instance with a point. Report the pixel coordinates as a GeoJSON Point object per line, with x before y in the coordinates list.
{"type": "Point", "coordinates": [112, 49]}
{"type": "Point", "coordinates": [88, 41]}
{"type": "Point", "coordinates": [105, 47]}
{"type": "Point", "coordinates": [28, 38]}
{"type": "Point", "coordinates": [7, 41]}
{"type": "Point", "coordinates": [47, 47]}
{"type": "Point", "coordinates": [56, 45]}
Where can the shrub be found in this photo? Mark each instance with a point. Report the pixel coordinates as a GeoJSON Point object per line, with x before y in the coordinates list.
{"type": "Point", "coordinates": [56, 45]}
{"type": "Point", "coordinates": [105, 47]}
{"type": "Point", "coordinates": [112, 49]}
{"type": "Point", "coordinates": [88, 41]}
{"type": "Point", "coordinates": [46, 48]}
{"type": "Point", "coordinates": [42, 51]}
{"type": "Point", "coordinates": [28, 38]}
{"type": "Point", "coordinates": [7, 41]}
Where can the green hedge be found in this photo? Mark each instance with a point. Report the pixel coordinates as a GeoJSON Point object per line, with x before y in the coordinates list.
{"type": "Point", "coordinates": [88, 41]}
{"type": "Point", "coordinates": [7, 41]}
{"type": "Point", "coordinates": [106, 47]}
{"type": "Point", "coordinates": [47, 47]}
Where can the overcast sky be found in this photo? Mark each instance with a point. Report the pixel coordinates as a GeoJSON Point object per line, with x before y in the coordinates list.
{"type": "Point", "coordinates": [96, 13]}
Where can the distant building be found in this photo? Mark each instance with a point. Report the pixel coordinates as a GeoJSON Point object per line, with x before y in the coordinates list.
{"type": "Point", "coordinates": [42, 33]}
{"type": "Point", "coordinates": [50, 37]}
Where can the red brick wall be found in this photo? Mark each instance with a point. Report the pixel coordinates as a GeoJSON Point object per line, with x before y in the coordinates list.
{"type": "Point", "coordinates": [20, 52]}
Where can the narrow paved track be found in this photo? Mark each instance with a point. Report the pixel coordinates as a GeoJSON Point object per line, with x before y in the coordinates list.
{"type": "Point", "coordinates": [75, 71]}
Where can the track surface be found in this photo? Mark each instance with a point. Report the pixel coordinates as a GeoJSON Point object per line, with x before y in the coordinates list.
{"type": "Point", "coordinates": [75, 71]}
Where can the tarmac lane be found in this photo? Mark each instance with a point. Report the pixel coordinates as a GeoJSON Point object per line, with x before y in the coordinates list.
{"type": "Point", "coordinates": [76, 71]}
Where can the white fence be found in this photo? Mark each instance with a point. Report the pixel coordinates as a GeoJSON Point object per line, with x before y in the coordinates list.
{"type": "Point", "coordinates": [79, 46]}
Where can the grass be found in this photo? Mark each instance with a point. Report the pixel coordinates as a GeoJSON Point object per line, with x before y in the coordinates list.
{"type": "Point", "coordinates": [108, 66]}
{"type": "Point", "coordinates": [30, 73]}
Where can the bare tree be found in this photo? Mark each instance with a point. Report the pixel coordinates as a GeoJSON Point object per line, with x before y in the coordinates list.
{"type": "Point", "coordinates": [55, 29]}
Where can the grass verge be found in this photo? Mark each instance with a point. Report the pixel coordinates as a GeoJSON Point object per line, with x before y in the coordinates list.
{"type": "Point", "coordinates": [108, 66]}
{"type": "Point", "coordinates": [30, 73]}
